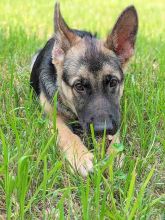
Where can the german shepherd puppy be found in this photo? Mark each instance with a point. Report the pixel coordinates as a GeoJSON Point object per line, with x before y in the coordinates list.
{"type": "Point", "coordinates": [88, 75]}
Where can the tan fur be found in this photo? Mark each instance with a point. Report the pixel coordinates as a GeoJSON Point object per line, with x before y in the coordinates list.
{"type": "Point", "coordinates": [45, 104]}
{"type": "Point", "coordinates": [121, 90]}
{"type": "Point", "coordinates": [76, 153]}
{"type": "Point", "coordinates": [68, 96]}
{"type": "Point", "coordinates": [70, 144]}
{"type": "Point", "coordinates": [109, 69]}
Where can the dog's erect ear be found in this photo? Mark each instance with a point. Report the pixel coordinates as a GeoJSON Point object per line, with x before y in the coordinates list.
{"type": "Point", "coordinates": [67, 37]}
{"type": "Point", "coordinates": [123, 36]}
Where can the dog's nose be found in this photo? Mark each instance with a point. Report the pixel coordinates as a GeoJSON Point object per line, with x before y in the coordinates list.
{"type": "Point", "coordinates": [110, 127]}
{"type": "Point", "coordinates": [100, 125]}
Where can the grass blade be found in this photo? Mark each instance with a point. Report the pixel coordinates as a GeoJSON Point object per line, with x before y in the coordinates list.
{"type": "Point", "coordinates": [138, 201]}
{"type": "Point", "coordinates": [131, 189]}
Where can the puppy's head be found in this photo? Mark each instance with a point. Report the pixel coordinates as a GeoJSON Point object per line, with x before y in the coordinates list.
{"type": "Point", "coordinates": [90, 71]}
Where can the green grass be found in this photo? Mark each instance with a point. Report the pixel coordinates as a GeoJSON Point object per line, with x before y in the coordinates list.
{"type": "Point", "coordinates": [35, 181]}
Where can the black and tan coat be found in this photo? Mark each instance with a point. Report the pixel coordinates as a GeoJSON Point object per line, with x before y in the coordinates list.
{"type": "Point", "coordinates": [88, 75]}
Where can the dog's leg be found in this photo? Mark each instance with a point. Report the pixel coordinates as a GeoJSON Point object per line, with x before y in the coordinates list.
{"type": "Point", "coordinates": [75, 151]}
{"type": "Point", "coordinates": [70, 144]}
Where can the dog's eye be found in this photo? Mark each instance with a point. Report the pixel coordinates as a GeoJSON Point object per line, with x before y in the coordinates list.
{"type": "Point", "coordinates": [113, 82]}
{"type": "Point", "coordinates": [79, 87]}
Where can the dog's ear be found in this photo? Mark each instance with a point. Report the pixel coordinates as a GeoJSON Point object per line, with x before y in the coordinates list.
{"type": "Point", "coordinates": [123, 36]}
{"type": "Point", "coordinates": [63, 33]}
{"type": "Point", "coordinates": [65, 38]}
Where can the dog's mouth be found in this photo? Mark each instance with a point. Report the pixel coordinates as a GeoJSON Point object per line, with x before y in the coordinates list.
{"type": "Point", "coordinates": [89, 138]}
{"type": "Point", "coordinates": [98, 141]}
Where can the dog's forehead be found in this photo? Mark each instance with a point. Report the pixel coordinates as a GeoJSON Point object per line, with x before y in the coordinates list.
{"type": "Point", "coordinates": [90, 59]}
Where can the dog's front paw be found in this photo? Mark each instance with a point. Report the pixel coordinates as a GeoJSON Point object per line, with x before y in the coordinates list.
{"type": "Point", "coordinates": [85, 164]}
{"type": "Point", "coordinates": [80, 158]}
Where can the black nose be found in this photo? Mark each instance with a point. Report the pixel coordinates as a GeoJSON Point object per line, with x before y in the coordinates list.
{"type": "Point", "coordinates": [100, 125]}
{"type": "Point", "coordinates": [110, 128]}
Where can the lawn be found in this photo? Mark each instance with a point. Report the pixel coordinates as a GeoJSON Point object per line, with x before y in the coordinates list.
{"type": "Point", "coordinates": [35, 180]}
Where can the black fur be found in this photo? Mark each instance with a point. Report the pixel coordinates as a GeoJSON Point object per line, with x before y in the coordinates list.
{"type": "Point", "coordinates": [93, 58]}
{"type": "Point", "coordinates": [43, 66]}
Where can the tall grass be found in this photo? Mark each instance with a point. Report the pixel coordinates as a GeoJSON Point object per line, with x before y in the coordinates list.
{"type": "Point", "coordinates": [36, 181]}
